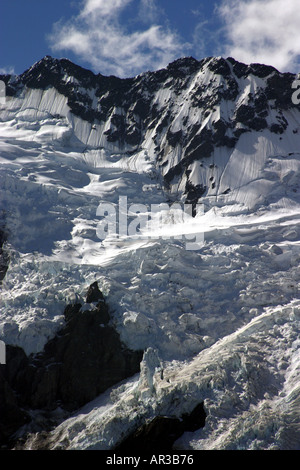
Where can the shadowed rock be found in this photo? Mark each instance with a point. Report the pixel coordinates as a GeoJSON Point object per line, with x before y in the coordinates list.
{"type": "Point", "coordinates": [84, 359]}
{"type": "Point", "coordinates": [161, 432]}
{"type": "Point", "coordinates": [94, 294]}
{"type": "Point", "coordinates": [3, 256]}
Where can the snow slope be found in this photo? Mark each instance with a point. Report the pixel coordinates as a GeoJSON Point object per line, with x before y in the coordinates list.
{"type": "Point", "coordinates": [223, 318]}
{"type": "Point", "coordinates": [249, 382]}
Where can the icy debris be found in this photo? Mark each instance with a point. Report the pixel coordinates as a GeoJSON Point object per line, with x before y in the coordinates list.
{"type": "Point", "coordinates": [224, 319]}
{"type": "Point", "coordinates": [151, 369]}
{"type": "Point", "coordinates": [250, 400]}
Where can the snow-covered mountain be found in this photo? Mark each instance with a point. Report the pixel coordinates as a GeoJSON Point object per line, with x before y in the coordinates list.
{"type": "Point", "coordinates": [217, 321]}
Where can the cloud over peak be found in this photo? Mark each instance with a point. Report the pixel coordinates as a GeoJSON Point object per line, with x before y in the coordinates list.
{"type": "Point", "coordinates": [128, 37]}
{"type": "Point", "coordinates": [98, 36]}
{"type": "Point", "coordinates": [264, 31]}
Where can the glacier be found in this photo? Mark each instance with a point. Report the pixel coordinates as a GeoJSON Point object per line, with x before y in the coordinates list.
{"type": "Point", "coordinates": [223, 320]}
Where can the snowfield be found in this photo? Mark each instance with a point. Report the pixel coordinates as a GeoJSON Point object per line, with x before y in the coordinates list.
{"type": "Point", "coordinates": [222, 320]}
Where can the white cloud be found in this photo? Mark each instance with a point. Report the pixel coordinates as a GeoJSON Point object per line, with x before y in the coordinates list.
{"type": "Point", "coordinates": [149, 11]}
{"type": "Point", "coordinates": [97, 36]}
{"type": "Point", "coordinates": [103, 7]}
{"type": "Point", "coordinates": [9, 70]}
{"type": "Point", "coordinates": [207, 39]}
{"type": "Point", "coordinates": [263, 31]}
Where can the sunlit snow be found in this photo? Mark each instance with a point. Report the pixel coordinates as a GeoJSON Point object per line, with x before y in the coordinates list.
{"type": "Point", "coordinates": [224, 318]}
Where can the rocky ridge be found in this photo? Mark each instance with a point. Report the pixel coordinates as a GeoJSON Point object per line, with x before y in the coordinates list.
{"type": "Point", "coordinates": [84, 359]}
{"type": "Point", "coordinates": [188, 109]}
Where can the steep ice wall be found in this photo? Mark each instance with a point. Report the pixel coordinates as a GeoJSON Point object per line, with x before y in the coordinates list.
{"type": "Point", "coordinates": [207, 126]}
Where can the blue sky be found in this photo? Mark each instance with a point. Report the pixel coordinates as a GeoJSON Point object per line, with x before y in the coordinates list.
{"type": "Point", "coordinates": [127, 37]}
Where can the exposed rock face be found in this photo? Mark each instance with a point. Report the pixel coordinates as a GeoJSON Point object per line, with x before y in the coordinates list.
{"type": "Point", "coordinates": [174, 108]}
{"type": "Point", "coordinates": [94, 294]}
{"type": "Point", "coordinates": [3, 255]}
{"type": "Point", "coordinates": [161, 432]}
{"type": "Point", "coordinates": [12, 417]}
{"type": "Point", "coordinates": [84, 359]}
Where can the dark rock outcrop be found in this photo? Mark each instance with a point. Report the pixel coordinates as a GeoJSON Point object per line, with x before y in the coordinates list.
{"type": "Point", "coordinates": [12, 417]}
{"type": "Point", "coordinates": [94, 294]}
{"type": "Point", "coordinates": [161, 432]}
{"type": "Point", "coordinates": [84, 359]}
{"type": "Point", "coordinates": [130, 107]}
{"type": "Point", "coordinates": [4, 258]}
{"type": "Point", "coordinates": [137, 110]}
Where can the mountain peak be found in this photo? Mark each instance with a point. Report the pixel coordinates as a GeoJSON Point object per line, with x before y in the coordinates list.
{"type": "Point", "coordinates": [215, 134]}
{"type": "Point", "coordinates": [184, 63]}
{"type": "Point", "coordinates": [50, 71]}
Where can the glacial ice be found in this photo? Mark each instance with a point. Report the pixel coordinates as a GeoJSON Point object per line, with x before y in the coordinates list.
{"type": "Point", "coordinates": [224, 319]}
